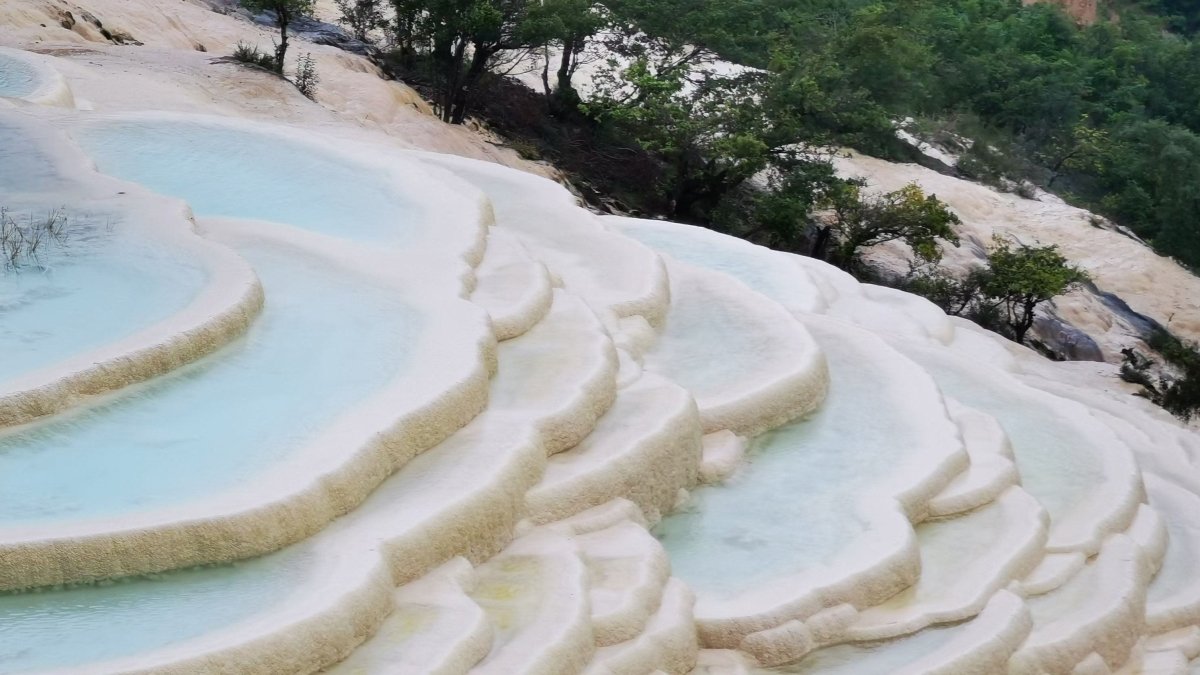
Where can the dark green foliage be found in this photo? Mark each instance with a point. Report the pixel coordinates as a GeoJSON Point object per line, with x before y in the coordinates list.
{"type": "Point", "coordinates": [921, 221]}
{"type": "Point", "coordinates": [362, 16]}
{"type": "Point", "coordinates": [1022, 277]}
{"type": "Point", "coordinates": [452, 46]}
{"type": "Point", "coordinates": [252, 55]}
{"type": "Point", "coordinates": [1109, 114]}
{"type": "Point", "coordinates": [306, 77]}
{"type": "Point", "coordinates": [1004, 295]}
{"type": "Point", "coordinates": [1178, 393]}
{"type": "Point", "coordinates": [285, 12]}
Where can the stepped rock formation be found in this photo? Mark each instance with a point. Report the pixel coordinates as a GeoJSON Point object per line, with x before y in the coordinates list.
{"type": "Point", "coordinates": [309, 388]}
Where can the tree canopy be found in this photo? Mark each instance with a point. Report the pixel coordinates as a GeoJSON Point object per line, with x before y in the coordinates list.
{"type": "Point", "coordinates": [285, 12]}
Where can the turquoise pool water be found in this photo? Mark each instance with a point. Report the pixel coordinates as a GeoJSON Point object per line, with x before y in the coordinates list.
{"type": "Point", "coordinates": [86, 294]}
{"type": "Point", "coordinates": [92, 624]}
{"type": "Point", "coordinates": [324, 342]}
{"type": "Point", "coordinates": [1058, 465]}
{"type": "Point", "coordinates": [17, 78]}
{"type": "Point", "coordinates": [235, 173]}
{"type": "Point", "coordinates": [794, 504]}
{"type": "Point", "coordinates": [96, 285]}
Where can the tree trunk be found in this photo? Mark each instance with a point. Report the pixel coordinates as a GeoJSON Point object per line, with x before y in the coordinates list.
{"type": "Point", "coordinates": [820, 245]}
{"type": "Point", "coordinates": [283, 20]}
{"type": "Point", "coordinates": [453, 75]}
{"type": "Point", "coordinates": [566, 65]}
{"type": "Point", "coordinates": [1023, 323]}
{"type": "Point", "coordinates": [463, 89]}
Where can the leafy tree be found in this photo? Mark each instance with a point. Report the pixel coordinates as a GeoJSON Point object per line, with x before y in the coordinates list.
{"type": "Point", "coordinates": [362, 16]}
{"type": "Point", "coordinates": [1004, 294]}
{"type": "Point", "coordinates": [780, 215]}
{"type": "Point", "coordinates": [568, 26]}
{"type": "Point", "coordinates": [1083, 151]}
{"type": "Point", "coordinates": [708, 128]}
{"type": "Point", "coordinates": [1022, 277]}
{"type": "Point", "coordinates": [285, 12]}
{"type": "Point", "coordinates": [461, 41]}
{"type": "Point", "coordinates": [957, 296]}
{"type": "Point", "coordinates": [908, 215]}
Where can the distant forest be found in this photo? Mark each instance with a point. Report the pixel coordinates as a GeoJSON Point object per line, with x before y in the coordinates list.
{"type": "Point", "coordinates": [1107, 115]}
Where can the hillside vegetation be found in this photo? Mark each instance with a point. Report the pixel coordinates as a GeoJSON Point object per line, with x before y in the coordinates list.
{"type": "Point", "coordinates": [1106, 115]}
{"type": "Point", "coordinates": [718, 113]}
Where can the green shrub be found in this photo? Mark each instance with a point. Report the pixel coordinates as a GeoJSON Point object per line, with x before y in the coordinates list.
{"type": "Point", "coordinates": [306, 77]}
{"type": "Point", "coordinates": [252, 55]}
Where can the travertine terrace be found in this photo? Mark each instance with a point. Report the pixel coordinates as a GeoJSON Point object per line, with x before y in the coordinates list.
{"type": "Point", "coordinates": [304, 391]}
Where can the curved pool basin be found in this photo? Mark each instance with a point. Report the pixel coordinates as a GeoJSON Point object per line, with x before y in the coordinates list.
{"type": "Point", "coordinates": [795, 504]}
{"type": "Point", "coordinates": [228, 171]}
{"type": "Point", "coordinates": [324, 342]}
{"type": "Point", "coordinates": [86, 626]}
{"type": "Point", "coordinates": [18, 78]}
{"type": "Point", "coordinates": [96, 289]}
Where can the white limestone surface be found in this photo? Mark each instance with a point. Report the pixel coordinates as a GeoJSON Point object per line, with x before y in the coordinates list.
{"type": "Point", "coordinates": [1153, 285]}
{"type": "Point", "coordinates": [748, 363]}
{"type": "Point", "coordinates": [646, 448]}
{"type": "Point", "coordinates": [393, 412]}
{"type": "Point", "coordinates": [964, 561]}
{"type": "Point", "coordinates": [611, 272]}
{"type": "Point", "coordinates": [992, 467]}
{"type": "Point", "coordinates": [514, 289]}
{"type": "Point", "coordinates": [1085, 478]}
{"type": "Point", "coordinates": [759, 268]}
{"type": "Point", "coordinates": [1100, 610]}
{"type": "Point", "coordinates": [982, 645]}
{"type": "Point", "coordinates": [864, 471]}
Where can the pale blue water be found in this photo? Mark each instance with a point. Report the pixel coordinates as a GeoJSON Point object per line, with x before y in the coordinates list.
{"type": "Point", "coordinates": [701, 326]}
{"type": "Point", "coordinates": [236, 173]}
{"type": "Point", "coordinates": [87, 294]}
{"type": "Point", "coordinates": [1057, 465]}
{"type": "Point", "coordinates": [323, 343]}
{"type": "Point", "coordinates": [93, 287]}
{"type": "Point", "coordinates": [17, 78]}
{"type": "Point", "coordinates": [24, 165]}
{"type": "Point", "coordinates": [737, 259]}
{"type": "Point", "coordinates": [793, 505]}
{"type": "Point", "coordinates": [78, 626]}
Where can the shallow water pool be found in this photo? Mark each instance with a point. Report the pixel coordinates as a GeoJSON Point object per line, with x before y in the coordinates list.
{"type": "Point", "coordinates": [324, 342]}
{"type": "Point", "coordinates": [17, 77]}
{"type": "Point", "coordinates": [90, 292]}
{"type": "Point", "coordinates": [223, 171]}
{"type": "Point", "coordinates": [92, 624]}
{"type": "Point", "coordinates": [793, 505]}
{"type": "Point", "coordinates": [1057, 465]}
